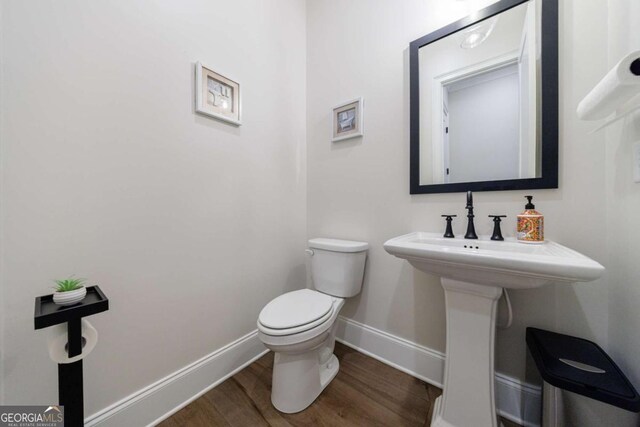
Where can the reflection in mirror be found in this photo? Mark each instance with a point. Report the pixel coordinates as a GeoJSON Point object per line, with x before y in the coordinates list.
{"type": "Point", "coordinates": [484, 101]}
{"type": "Point", "coordinates": [478, 93]}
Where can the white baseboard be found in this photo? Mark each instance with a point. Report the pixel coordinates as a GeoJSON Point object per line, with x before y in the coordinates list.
{"type": "Point", "coordinates": [152, 404]}
{"type": "Point", "coordinates": [416, 360]}
{"type": "Point", "coordinates": [517, 401]}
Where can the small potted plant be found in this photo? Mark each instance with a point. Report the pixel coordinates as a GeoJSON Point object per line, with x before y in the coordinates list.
{"type": "Point", "coordinates": [69, 291]}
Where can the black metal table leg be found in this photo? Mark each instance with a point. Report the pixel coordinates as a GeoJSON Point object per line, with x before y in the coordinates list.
{"type": "Point", "coordinates": [70, 391]}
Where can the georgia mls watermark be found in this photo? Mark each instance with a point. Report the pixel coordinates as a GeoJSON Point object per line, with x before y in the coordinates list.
{"type": "Point", "coordinates": [31, 416]}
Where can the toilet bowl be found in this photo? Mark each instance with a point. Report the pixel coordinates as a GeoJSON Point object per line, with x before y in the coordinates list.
{"type": "Point", "coordinates": [300, 326]}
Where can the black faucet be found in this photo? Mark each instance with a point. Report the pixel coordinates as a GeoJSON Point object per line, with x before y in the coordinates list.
{"type": "Point", "coordinates": [471, 229]}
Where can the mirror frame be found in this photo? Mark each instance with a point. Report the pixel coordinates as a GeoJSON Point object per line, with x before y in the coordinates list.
{"type": "Point", "coordinates": [548, 110]}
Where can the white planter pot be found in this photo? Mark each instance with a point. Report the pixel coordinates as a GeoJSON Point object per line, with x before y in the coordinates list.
{"type": "Point", "coordinates": [70, 297]}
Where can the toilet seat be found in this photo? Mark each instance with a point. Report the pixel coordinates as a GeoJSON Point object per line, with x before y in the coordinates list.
{"type": "Point", "coordinates": [295, 312]}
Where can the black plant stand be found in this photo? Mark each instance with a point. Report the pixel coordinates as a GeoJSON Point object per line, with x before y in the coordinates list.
{"type": "Point", "coordinates": [47, 313]}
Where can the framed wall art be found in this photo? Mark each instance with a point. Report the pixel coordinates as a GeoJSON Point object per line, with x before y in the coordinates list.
{"type": "Point", "coordinates": [348, 120]}
{"type": "Point", "coordinates": [217, 96]}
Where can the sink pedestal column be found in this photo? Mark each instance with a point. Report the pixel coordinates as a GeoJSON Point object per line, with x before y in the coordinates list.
{"type": "Point", "coordinates": [468, 399]}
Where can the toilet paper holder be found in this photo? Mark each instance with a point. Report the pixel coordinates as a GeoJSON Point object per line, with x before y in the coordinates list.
{"type": "Point", "coordinates": [618, 87]}
{"type": "Point", "coordinates": [46, 314]}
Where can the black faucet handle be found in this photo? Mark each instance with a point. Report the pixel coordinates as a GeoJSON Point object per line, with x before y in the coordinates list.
{"type": "Point", "coordinates": [469, 200]}
{"type": "Point", "coordinates": [448, 233]}
{"type": "Point", "coordinates": [497, 232]}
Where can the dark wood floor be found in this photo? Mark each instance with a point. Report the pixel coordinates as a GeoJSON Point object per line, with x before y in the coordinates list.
{"type": "Point", "coordinates": [364, 393]}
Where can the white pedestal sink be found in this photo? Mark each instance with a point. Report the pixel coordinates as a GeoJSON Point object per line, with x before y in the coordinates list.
{"type": "Point", "coordinates": [473, 273]}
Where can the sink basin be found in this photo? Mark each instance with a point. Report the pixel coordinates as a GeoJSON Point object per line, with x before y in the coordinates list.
{"type": "Point", "coordinates": [473, 274]}
{"type": "Point", "coordinates": [507, 264]}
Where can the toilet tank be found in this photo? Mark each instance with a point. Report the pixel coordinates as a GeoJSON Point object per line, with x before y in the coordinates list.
{"type": "Point", "coordinates": [337, 266]}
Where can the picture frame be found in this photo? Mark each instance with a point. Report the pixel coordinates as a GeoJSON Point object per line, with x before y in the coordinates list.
{"type": "Point", "coordinates": [217, 95]}
{"type": "Point", "coordinates": [348, 120]}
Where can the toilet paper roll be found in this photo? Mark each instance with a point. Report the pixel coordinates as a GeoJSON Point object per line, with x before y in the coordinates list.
{"type": "Point", "coordinates": [619, 85]}
{"type": "Point", "coordinates": [58, 342]}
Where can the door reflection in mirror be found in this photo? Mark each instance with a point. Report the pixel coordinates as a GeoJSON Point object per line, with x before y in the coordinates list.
{"type": "Point", "coordinates": [478, 101]}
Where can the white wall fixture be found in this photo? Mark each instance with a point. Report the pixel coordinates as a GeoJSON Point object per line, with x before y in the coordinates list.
{"type": "Point", "coordinates": [348, 120]}
{"type": "Point", "coordinates": [516, 400]}
{"type": "Point", "coordinates": [616, 90]}
{"type": "Point", "coordinates": [217, 96]}
{"type": "Point", "coordinates": [473, 275]}
{"type": "Point", "coordinates": [300, 326]}
{"type": "Point", "coordinates": [620, 85]}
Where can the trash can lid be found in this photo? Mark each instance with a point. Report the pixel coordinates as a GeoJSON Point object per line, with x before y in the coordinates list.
{"type": "Point", "coordinates": [582, 367]}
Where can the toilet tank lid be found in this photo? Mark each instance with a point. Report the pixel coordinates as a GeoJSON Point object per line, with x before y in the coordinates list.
{"type": "Point", "coordinates": [337, 245]}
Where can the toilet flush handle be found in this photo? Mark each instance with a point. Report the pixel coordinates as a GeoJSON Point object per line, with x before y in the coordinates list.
{"type": "Point", "coordinates": [309, 252]}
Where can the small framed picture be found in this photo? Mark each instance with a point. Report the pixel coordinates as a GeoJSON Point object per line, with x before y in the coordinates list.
{"type": "Point", "coordinates": [217, 96]}
{"type": "Point", "coordinates": [348, 120]}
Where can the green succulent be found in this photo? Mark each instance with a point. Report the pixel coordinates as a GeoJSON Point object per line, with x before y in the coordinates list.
{"type": "Point", "coordinates": [70, 284]}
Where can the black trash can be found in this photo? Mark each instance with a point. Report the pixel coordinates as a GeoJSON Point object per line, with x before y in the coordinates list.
{"type": "Point", "coordinates": [583, 387]}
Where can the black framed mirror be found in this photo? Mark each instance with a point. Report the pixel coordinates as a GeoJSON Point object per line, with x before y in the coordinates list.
{"type": "Point", "coordinates": [484, 101]}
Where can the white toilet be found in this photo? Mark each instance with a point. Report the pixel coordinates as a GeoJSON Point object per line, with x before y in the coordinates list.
{"type": "Point", "coordinates": [300, 326]}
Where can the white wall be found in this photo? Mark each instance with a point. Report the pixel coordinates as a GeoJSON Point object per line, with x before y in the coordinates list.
{"type": "Point", "coordinates": [623, 205]}
{"type": "Point", "coordinates": [108, 173]}
{"type": "Point", "coordinates": [3, 304]}
{"type": "Point", "coordinates": [359, 189]}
